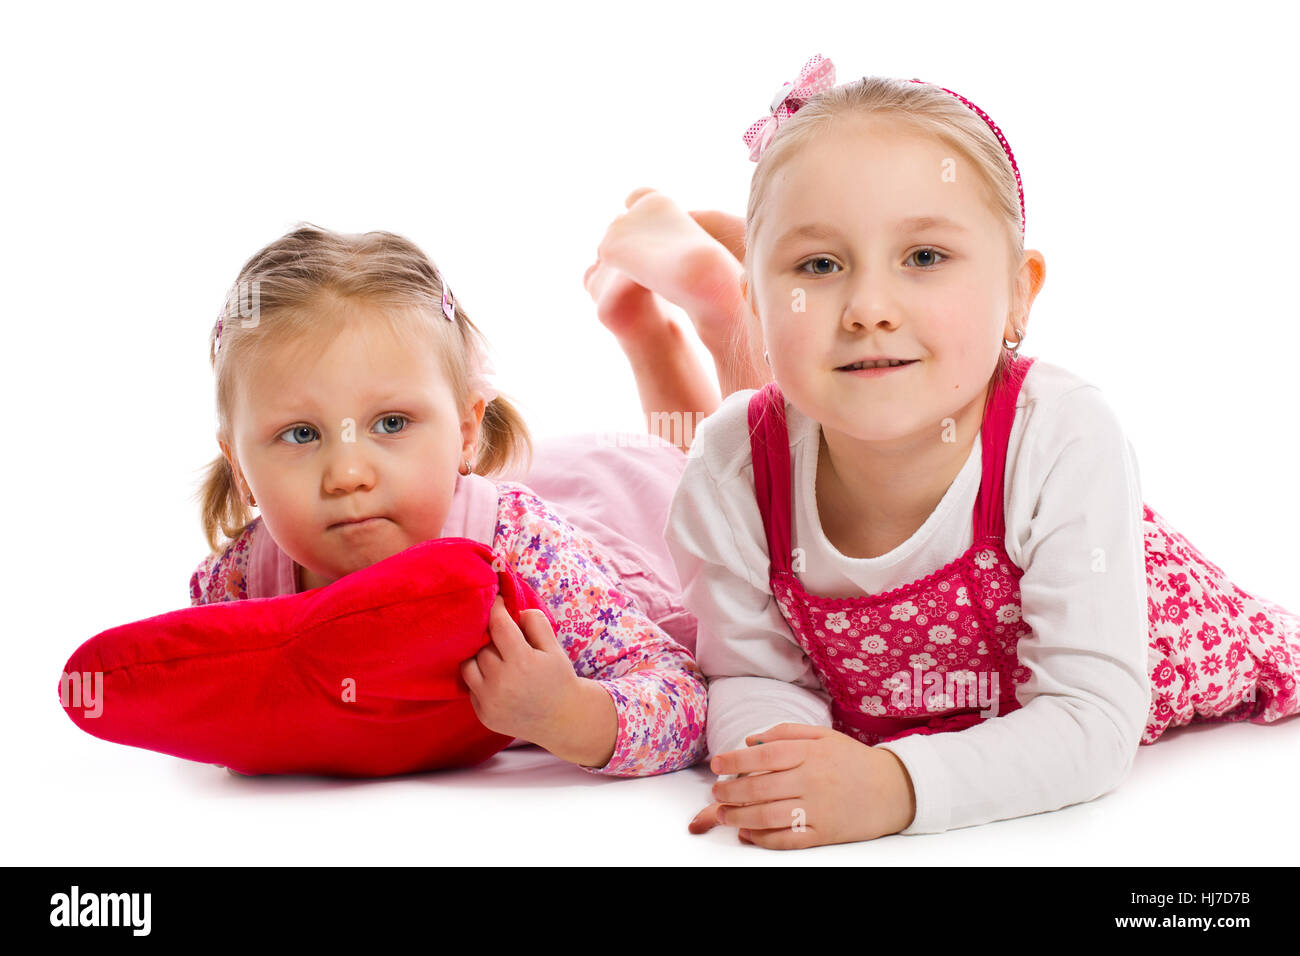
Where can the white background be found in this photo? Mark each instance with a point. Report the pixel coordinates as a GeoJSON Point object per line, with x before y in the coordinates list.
{"type": "Point", "coordinates": [150, 149]}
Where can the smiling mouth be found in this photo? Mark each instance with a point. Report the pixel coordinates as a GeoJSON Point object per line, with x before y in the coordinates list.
{"type": "Point", "coordinates": [858, 366]}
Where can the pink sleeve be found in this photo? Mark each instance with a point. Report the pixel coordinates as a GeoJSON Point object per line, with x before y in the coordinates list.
{"type": "Point", "coordinates": [658, 691]}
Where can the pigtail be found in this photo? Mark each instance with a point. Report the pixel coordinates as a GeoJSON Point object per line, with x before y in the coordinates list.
{"type": "Point", "coordinates": [504, 439]}
{"type": "Point", "coordinates": [220, 505]}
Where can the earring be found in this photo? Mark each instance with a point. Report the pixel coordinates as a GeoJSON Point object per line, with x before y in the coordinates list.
{"type": "Point", "coordinates": [766, 359]}
{"type": "Point", "coordinates": [1020, 337]}
{"type": "Point", "coordinates": [252, 502]}
{"type": "Point", "coordinates": [468, 468]}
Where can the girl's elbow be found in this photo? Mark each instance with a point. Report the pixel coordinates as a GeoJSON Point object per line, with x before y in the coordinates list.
{"type": "Point", "coordinates": [1122, 745]}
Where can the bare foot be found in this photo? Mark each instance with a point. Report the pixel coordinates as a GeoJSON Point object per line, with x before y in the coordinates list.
{"type": "Point", "coordinates": [724, 227]}
{"type": "Point", "coordinates": [659, 246]}
{"type": "Point", "coordinates": [627, 309]}
{"type": "Point", "coordinates": [675, 390]}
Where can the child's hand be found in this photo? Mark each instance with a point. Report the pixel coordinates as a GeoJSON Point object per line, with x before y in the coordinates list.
{"type": "Point", "coordinates": [809, 786]}
{"type": "Point", "coordinates": [522, 684]}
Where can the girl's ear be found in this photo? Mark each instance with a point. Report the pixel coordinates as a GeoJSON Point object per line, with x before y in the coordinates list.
{"type": "Point", "coordinates": [240, 484]}
{"type": "Point", "coordinates": [470, 426]}
{"type": "Point", "coordinates": [1029, 282]}
{"type": "Point", "coordinates": [749, 302]}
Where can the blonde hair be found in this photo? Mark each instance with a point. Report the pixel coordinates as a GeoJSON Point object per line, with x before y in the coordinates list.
{"type": "Point", "coordinates": [296, 280]}
{"type": "Point", "coordinates": [928, 110]}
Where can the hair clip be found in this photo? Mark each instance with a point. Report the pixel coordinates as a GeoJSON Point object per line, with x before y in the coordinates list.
{"type": "Point", "coordinates": [216, 347]}
{"type": "Point", "coordinates": [448, 303]}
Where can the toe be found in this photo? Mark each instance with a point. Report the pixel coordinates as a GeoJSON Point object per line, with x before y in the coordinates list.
{"type": "Point", "coordinates": [636, 194]}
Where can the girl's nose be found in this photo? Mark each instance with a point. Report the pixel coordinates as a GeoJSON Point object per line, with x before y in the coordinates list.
{"type": "Point", "coordinates": [870, 303]}
{"type": "Point", "coordinates": [348, 469]}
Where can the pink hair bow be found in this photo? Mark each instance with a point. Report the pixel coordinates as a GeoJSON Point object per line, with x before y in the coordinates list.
{"type": "Point", "coordinates": [818, 74]}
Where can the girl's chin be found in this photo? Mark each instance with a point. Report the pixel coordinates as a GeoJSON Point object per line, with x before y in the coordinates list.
{"type": "Point", "coordinates": [358, 559]}
{"type": "Point", "coordinates": [872, 423]}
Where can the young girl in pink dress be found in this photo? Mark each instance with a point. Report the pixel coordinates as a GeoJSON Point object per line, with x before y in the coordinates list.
{"type": "Point", "coordinates": [355, 411]}
{"type": "Point", "coordinates": [929, 594]}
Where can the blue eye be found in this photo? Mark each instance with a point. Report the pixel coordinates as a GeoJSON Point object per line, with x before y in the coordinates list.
{"type": "Point", "coordinates": [819, 259]}
{"type": "Point", "coordinates": [296, 429]}
{"type": "Point", "coordinates": [932, 252]}
{"type": "Point", "coordinates": [389, 418]}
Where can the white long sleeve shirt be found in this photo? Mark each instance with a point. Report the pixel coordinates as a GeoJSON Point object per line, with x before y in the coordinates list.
{"type": "Point", "coordinates": [1073, 511]}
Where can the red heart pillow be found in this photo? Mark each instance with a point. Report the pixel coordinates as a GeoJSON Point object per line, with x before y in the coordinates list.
{"type": "Point", "coordinates": [360, 678]}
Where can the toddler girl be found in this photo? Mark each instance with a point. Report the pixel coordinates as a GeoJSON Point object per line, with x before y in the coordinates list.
{"type": "Point", "coordinates": [355, 411]}
{"type": "Point", "coordinates": [931, 591]}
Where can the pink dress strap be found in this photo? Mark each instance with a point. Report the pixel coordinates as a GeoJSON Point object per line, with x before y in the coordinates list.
{"type": "Point", "coordinates": [995, 434]}
{"type": "Point", "coordinates": [770, 445]}
{"type": "Point", "coordinates": [773, 470]}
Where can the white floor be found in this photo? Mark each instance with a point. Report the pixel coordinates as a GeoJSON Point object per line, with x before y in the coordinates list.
{"type": "Point", "coordinates": [1220, 795]}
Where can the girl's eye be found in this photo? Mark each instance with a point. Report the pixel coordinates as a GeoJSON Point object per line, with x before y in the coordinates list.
{"type": "Point", "coordinates": [307, 433]}
{"type": "Point", "coordinates": [402, 419]}
{"type": "Point", "coordinates": [297, 430]}
{"type": "Point", "coordinates": [932, 253]}
{"type": "Point", "coordinates": [817, 262]}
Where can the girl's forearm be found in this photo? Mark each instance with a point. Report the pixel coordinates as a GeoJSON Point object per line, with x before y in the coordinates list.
{"type": "Point", "coordinates": [585, 731]}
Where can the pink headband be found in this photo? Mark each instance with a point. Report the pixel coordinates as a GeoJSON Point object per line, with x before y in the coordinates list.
{"type": "Point", "coordinates": [817, 75]}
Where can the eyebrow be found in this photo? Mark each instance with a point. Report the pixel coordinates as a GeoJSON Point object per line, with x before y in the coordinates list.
{"type": "Point", "coordinates": [931, 222]}
{"type": "Point", "coordinates": [911, 224]}
{"type": "Point", "coordinates": [296, 404]}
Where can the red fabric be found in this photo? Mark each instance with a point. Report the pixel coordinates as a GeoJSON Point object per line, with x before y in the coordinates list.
{"type": "Point", "coordinates": [258, 685]}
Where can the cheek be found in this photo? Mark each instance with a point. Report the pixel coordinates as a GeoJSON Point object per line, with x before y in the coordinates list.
{"type": "Point", "coordinates": [958, 322]}
{"type": "Point", "coordinates": [786, 323]}
{"type": "Point", "coordinates": [281, 487]}
{"type": "Point", "coordinates": [428, 482]}
{"type": "Point", "coordinates": [974, 303]}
